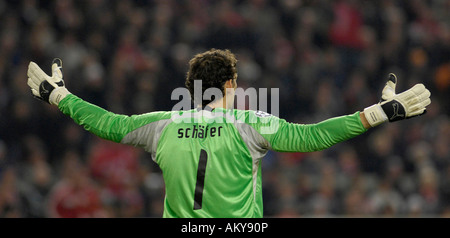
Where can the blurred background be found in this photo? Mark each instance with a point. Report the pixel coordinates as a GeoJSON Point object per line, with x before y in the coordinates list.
{"type": "Point", "coordinates": [328, 58]}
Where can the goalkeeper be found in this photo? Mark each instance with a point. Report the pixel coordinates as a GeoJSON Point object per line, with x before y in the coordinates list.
{"type": "Point", "coordinates": [212, 168]}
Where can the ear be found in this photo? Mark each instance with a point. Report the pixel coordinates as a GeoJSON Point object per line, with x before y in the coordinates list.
{"type": "Point", "coordinates": [229, 84]}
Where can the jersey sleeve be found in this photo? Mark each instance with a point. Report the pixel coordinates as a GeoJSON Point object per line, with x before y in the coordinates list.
{"type": "Point", "coordinates": [283, 136]}
{"type": "Point", "coordinates": [105, 124]}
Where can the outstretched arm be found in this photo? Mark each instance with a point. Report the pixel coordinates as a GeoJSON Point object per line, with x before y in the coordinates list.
{"type": "Point", "coordinates": [94, 119]}
{"type": "Point", "coordinates": [102, 123]}
{"type": "Point", "coordinates": [292, 137]}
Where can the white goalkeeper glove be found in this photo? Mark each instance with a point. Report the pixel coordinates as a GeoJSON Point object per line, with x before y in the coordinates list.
{"type": "Point", "coordinates": [394, 107]}
{"type": "Point", "coordinates": [46, 88]}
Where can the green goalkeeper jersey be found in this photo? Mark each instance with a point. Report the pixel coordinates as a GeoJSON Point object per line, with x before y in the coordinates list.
{"type": "Point", "coordinates": [211, 159]}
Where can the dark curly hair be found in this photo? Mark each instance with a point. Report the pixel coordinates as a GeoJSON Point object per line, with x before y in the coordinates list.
{"type": "Point", "coordinates": [214, 67]}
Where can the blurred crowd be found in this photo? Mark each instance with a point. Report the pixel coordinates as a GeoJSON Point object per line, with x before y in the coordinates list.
{"type": "Point", "coordinates": [328, 58]}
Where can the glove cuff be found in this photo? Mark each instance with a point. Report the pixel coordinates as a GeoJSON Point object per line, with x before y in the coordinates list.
{"type": "Point", "coordinates": [57, 95]}
{"type": "Point", "coordinates": [375, 115]}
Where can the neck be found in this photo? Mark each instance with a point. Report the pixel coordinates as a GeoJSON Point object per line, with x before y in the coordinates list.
{"type": "Point", "coordinates": [220, 103]}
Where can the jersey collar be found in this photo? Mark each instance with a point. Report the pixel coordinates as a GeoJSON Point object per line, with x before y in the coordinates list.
{"type": "Point", "coordinates": [207, 108]}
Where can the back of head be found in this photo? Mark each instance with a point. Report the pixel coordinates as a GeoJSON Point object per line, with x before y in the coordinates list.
{"type": "Point", "coordinates": [213, 67]}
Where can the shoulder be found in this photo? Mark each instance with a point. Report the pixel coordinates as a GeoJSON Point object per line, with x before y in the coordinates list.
{"type": "Point", "coordinates": [162, 115]}
{"type": "Point", "coordinates": [263, 122]}
{"type": "Point", "coordinates": [254, 116]}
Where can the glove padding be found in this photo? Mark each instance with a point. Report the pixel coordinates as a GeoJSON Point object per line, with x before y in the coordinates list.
{"type": "Point", "coordinates": [394, 107]}
{"type": "Point", "coordinates": [49, 89]}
